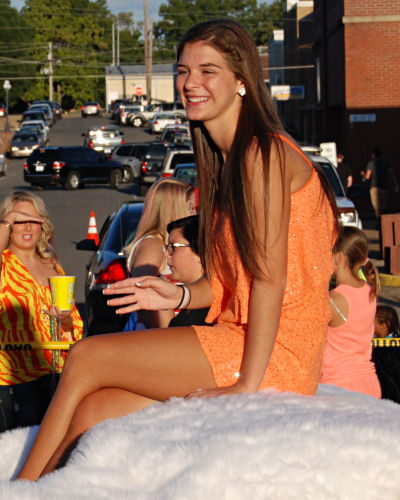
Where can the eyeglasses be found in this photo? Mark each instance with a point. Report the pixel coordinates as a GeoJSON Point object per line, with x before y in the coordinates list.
{"type": "Point", "coordinates": [171, 247]}
{"type": "Point", "coordinates": [28, 222]}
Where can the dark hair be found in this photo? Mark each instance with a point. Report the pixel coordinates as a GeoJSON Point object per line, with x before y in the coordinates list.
{"type": "Point", "coordinates": [387, 315]}
{"type": "Point", "coordinates": [377, 152]}
{"type": "Point", "coordinates": [354, 244]}
{"type": "Point", "coordinates": [225, 188]}
{"type": "Point", "coordinates": [190, 230]}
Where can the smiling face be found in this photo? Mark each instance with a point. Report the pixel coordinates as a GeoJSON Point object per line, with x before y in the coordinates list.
{"type": "Point", "coordinates": [25, 236]}
{"type": "Point", "coordinates": [207, 86]}
{"type": "Point", "coordinates": [184, 263]}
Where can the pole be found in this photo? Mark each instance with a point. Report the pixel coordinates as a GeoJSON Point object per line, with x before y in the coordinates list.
{"type": "Point", "coordinates": [118, 44]}
{"type": "Point", "coordinates": [113, 44]}
{"type": "Point", "coordinates": [146, 53]}
{"type": "Point", "coordinates": [7, 128]}
{"type": "Point", "coordinates": [150, 59]}
{"type": "Point", "coordinates": [50, 58]}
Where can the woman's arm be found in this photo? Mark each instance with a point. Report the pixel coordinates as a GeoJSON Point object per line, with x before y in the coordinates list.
{"type": "Point", "coordinates": [155, 294]}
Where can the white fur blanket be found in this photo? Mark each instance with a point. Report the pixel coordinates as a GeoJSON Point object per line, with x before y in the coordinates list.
{"type": "Point", "coordinates": [336, 445]}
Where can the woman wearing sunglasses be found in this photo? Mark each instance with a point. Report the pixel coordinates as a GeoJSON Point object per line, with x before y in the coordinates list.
{"type": "Point", "coordinates": [28, 261]}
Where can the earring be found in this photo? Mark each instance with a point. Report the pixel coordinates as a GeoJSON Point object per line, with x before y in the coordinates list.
{"type": "Point", "coordinates": [242, 92]}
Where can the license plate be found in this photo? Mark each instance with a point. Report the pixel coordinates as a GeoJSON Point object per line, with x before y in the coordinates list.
{"type": "Point", "coordinates": [39, 168]}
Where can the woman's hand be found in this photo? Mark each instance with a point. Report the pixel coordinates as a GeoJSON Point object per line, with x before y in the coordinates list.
{"type": "Point", "coordinates": [148, 293]}
{"type": "Point", "coordinates": [65, 317]}
{"type": "Point", "coordinates": [16, 216]}
{"type": "Point", "coordinates": [238, 388]}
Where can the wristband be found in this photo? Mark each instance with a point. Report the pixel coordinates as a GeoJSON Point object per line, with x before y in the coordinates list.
{"type": "Point", "coordinates": [186, 296]}
{"type": "Point", "coordinates": [6, 223]}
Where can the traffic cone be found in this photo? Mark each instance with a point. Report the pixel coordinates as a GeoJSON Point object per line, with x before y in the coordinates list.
{"type": "Point", "coordinates": [92, 229]}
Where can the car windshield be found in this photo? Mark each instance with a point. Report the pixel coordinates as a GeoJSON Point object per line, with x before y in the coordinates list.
{"type": "Point", "coordinates": [123, 228]}
{"type": "Point", "coordinates": [24, 138]}
{"type": "Point", "coordinates": [332, 177]}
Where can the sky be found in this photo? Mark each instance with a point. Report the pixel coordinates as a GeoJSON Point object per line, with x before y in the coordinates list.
{"type": "Point", "coordinates": [135, 6]}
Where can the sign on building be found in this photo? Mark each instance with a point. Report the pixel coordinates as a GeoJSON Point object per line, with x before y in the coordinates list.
{"type": "Point", "coordinates": [286, 92]}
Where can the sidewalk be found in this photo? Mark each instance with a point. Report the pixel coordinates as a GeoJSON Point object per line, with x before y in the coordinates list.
{"type": "Point", "coordinates": [390, 295]}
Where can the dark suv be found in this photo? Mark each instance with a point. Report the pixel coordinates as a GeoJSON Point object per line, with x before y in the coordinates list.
{"type": "Point", "coordinates": [152, 162]}
{"type": "Point", "coordinates": [71, 167]}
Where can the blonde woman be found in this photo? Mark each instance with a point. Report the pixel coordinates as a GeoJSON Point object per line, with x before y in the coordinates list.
{"type": "Point", "coordinates": [27, 262]}
{"type": "Point", "coordinates": [167, 200]}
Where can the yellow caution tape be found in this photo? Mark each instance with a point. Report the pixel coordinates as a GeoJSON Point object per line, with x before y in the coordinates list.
{"type": "Point", "coordinates": [386, 342]}
{"type": "Point", "coordinates": [28, 346]}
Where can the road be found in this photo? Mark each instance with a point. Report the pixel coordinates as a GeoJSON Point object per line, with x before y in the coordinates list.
{"type": "Point", "coordinates": [70, 210]}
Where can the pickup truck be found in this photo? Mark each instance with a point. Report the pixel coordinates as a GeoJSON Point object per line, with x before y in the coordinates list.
{"type": "Point", "coordinates": [142, 117]}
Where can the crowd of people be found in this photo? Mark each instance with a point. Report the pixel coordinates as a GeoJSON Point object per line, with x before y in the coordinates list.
{"type": "Point", "coordinates": [232, 300]}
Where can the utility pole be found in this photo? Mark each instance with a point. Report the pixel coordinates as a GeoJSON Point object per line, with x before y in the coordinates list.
{"type": "Point", "coordinates": [118, 43]}
{"type": "Point", "coordinates": [50, 59]}
{"type": "Point", "coordinates": [113, 44]}
{"type": "Point", "coordinates": [147, 58]}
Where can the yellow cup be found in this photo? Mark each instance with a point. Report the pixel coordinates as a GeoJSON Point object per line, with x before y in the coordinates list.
{"type": "Point", "coordinates": [62, 291]}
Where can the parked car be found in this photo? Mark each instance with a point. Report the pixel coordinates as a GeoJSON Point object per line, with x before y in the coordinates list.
{"type": "Point", "coordinates": [126, 110]}
{"type": "Point", "coordinates": [152, 162]}
{"type": "Point", "coordinates": [108, 265]}
{"type": "Point", "coordinates": [35, 115]}
{"type": "Point", "coordinates": [161, 120]}
{"type": "Point", "coordinates": [348, 215]}
{"type": "Point", "coordinates": [24, 143]}
{"type": "Point", "coordinates": [186, 172]}
{"type": "Point", "coordinates": [171, 131]}
{"type": "Point", "coordinates": [90, 108]}
{"type": "Point", "coordinates": [140, 119]}
{"type": "Point", "coordinates": [39, 123]}
{"type": "Point", "coordinates": [3, 110]}
{"type": "Point", "coordinates": [130, 156]}
{"type": "Point", "coordinates": [173, 158]}
{"type": "Point", "coordinates": [34, 129]}
{"type": "Point", "coordinates": [46, 109]}
{"type": "Point", "coordinates": [71, 167]}
{"type": "Point", "coordinates": [54, 105]}
{"type": "Point", "coordinates": [3, 165]}
{"type": "Point", "coordinates": [103, 138]}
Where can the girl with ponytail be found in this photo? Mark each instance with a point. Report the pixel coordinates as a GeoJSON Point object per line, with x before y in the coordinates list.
{"type": "Point", "coordinates": [347, 358]}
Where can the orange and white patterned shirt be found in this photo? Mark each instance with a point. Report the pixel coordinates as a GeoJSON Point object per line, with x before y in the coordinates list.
{"type": "Point", "coordinates": [23, 320]}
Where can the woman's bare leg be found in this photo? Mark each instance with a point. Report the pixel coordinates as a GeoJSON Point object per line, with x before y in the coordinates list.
{"type": "Point", "coordinates": [156, 364]}
{"type": "Point", "coordinates": [97, 407]}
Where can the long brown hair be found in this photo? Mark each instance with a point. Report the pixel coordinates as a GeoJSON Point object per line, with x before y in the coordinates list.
{"type": "Point", "coordinates": [354, 244]}
{"type": "Point", "coordinates": [225, 188]}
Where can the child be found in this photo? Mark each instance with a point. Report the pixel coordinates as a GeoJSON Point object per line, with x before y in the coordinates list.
{"type": "Point", "coordinates": [347, 358]}
{"type": "Point", "coordinates": [386, 322]}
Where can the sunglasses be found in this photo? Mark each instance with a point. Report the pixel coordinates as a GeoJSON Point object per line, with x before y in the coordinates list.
{"type": "Point", "coordinates": [28, 222]}
{"type": "Point", "coordinates": [171, 247]}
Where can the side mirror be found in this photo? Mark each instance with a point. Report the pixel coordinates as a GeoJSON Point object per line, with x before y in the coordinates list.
{"type": "Point", "coordinates": [89, 245]}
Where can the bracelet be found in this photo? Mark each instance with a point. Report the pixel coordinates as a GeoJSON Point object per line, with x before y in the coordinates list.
{"type": "Point", "coordinates": [186, 296]}
{"type": "Point", "coordinates": [6, 223]}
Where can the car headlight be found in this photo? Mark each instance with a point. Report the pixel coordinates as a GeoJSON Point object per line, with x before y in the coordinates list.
{"type": "Point", "coordinates": [347, 217]}
{"type": "Point", "coordinates": [15, 148]}
{"type": "Point", "coordinates": [35, 146]}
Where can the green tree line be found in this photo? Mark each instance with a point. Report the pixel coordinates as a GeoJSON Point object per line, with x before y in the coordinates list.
{"type": "Point", "coordinates": [80, 34]}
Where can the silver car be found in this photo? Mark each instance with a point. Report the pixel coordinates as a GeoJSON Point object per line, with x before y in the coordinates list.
{"type": "Point", "coordinates": [103, 138]}
{"type": "Point", "coordinates": [23, 144]}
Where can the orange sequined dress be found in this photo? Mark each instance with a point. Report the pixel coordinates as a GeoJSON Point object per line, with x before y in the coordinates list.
{"type": "Point", "coordinates": [295, 362]}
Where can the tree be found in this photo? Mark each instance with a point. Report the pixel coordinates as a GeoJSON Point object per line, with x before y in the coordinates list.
{"type": "Point", "coordinates": [178, 15]}
{"type": "Point", "coordinates": [15, 39]}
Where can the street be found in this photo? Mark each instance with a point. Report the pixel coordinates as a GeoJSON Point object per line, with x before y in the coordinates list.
{"type": "Point", "coordinates": [70, 210]}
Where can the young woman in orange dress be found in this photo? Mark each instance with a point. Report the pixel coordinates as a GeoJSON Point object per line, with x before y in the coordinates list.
{"type": "Point", "coordinates": [267, 228]}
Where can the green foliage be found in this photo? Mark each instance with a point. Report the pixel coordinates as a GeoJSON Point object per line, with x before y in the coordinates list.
{"type": "Point", "coordinates": [179, 15]}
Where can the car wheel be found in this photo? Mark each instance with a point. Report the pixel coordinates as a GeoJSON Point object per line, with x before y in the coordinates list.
{"type": "Point", "coordinates": [138, 121]}
{"type": "Point", "coordinates": [37, 187]}
{"type": "Point", "coordinates": [83, 115]}
{"type": "Point", "coordinates": [128, 174]}
{"type": "Point", "coordinates": [115, 178]}
{"type": "Point", "coordinates": [73, 180]}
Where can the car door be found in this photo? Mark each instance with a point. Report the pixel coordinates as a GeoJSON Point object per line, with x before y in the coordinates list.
{"type": "Point", "coordinates": [97, 169]}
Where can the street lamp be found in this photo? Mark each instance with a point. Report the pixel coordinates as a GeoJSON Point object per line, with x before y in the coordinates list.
{"type": "Point", "coordinates": [6, 87]}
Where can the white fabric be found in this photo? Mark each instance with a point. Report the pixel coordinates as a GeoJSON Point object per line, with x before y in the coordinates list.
{"type": "Point", "coordinates": [270, 445]}
{"type": "Point", "coordinates": [165, 272]}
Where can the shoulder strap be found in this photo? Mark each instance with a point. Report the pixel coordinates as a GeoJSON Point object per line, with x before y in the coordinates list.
{"type": "Point", "coordinates": [134, 247]}
{"type": "Point", "coordinates": [338, 310]}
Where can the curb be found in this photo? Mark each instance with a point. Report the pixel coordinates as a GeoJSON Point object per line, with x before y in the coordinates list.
{"type": "Point", "coordinates": [389, 279]}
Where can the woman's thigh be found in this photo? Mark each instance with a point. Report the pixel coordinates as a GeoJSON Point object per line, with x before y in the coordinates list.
{"type": "Point", "coordinates": [156, 364]}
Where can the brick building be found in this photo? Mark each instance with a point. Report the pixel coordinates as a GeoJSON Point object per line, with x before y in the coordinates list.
{"type": "Point", "coordinates": [357, 60]}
